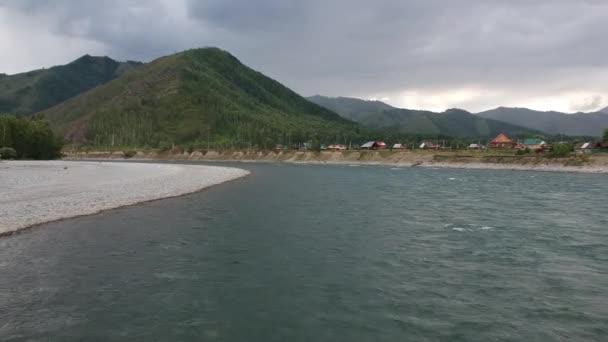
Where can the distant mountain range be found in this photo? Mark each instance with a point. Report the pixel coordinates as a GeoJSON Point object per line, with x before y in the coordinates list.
{"type": "Point", "coordinates": [207, 97]}
{"type": "Point", "coordinates": [351, 108]}
{"type": "Point", "coordinates": [36, 90]}
{"type": "Point", "coordinates": [453, 122]}
{"type": "Point", "coordinates": [513, 121]}
{"type": "Point", "coordinates": [197, 97]}
{"type": "Point", "coordinates": [579, 124]}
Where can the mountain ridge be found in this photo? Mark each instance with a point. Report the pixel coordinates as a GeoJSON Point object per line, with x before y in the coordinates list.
{"type": "Point", "coordinates": [350, 107]}
{"type": "Point", "coordinates": [552, 122]}
{"type": "Point", "coordinates": [452, 122]}
{"type": "Point", "coordinates": [196, 97]}
{"type": "Point", "coordinates": [32, 91]}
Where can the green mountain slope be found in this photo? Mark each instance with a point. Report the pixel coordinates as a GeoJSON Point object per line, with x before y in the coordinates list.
{"type": "Point", "coordinates": [453, 122]}
{"type": "Point", "coordinates": [37, 90]}
{"type": "Point", "coordinates": [350, 108]}
{"type": "Point", "coordinates": [590, 124]}
{"type": "Point", "coordinates": [198, 97]}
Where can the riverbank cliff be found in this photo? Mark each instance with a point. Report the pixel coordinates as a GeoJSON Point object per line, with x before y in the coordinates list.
{"type": "Point", "coordinates": [594, 163]}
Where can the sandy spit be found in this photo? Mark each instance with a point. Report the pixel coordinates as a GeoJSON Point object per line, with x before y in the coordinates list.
{"type": "Point", "coordinates": [35, 192]}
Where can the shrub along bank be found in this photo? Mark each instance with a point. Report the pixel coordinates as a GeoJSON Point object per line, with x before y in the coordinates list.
{"type": "Point", "coordinates": [28, 138]}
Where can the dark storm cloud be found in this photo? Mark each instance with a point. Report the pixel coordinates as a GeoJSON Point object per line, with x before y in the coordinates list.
{"type": "Point", "coordinates": [515, 49]}
{"type": "Point", "coordinates": [138, 29]}
{"type": "Point", "coordinates": [429, 43]}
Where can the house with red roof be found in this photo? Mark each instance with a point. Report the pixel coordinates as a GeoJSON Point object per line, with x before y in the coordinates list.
{"type": "Point", "coordinates": [374, 145]}
{"type": "Point", "coordinates": [502, 141]}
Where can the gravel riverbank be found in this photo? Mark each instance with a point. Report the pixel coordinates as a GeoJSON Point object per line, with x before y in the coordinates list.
{"type": "Point", "coordinates": [592, 163]}
{"type": "Point", "coordinates": [34, 192]}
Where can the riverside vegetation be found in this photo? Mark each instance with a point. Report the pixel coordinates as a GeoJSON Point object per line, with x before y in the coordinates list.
{"type": "Point", "coordinates": [28, 138]}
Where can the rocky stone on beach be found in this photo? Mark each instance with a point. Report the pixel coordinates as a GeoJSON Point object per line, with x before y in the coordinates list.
{"type": "Point", "coordinates": [34, 192]}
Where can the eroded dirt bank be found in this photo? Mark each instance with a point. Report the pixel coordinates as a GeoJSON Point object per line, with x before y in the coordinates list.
{"type": "Point", "coordinates": [595, 163]}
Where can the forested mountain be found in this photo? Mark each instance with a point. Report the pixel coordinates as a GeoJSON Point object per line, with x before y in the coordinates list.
{"type": "Point", "coordinates": [202, 97]}
{"type": "Point", "coordinates": [37, 90]}
{"type": "Point", "coordinates": [579, 124]}
{"type": "Point", "coordinates": [350, 108]}
{"type": "Point", "coordinates": [454, 122]}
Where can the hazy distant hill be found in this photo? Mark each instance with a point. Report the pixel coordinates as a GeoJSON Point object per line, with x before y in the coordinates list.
{"type": "Point", "coordinates": [350, 108]}
{"type": "Point", "coordinates": [195, 97]}
{"type": "Point", "coordinates": [37, 90]}
{"type": "Point", "coordinates": [454, 122]}
{"type": "Point", "coordinates": [591, 124]}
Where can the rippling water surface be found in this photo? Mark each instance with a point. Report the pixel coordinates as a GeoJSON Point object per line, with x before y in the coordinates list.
{"type": "Point", "coordinates": [324, 253]}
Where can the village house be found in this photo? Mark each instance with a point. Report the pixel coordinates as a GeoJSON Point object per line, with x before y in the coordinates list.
{"type": "Point", "coordinates": [427, 145]}
{"type": "Point", "coordinates": [398, 147]}
{"type": "Point", "coordinates": [475, 147]}
{"type": "Point", "coordinates": [533, 144]}
{"type": "Point", "coordinates": [304, 147]}
{"type": "Point", "coordinates": [502, 141]}
{"type": "Point", "coordinates": [336, 147]}
{"type": "Point", "coordinates": [374, 145]}
{"type": "Point", "coordinates": [588, 147]}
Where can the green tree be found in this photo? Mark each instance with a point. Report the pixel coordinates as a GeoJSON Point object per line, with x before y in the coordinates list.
{"type": "Point", "coordinates": [560, 150]}
{"type": "Point", "coordinates": [606, 135]}
{"type": "Point", "coordinates": [8, 153]}
{"type": "Point", "coordinates": [30, 138]}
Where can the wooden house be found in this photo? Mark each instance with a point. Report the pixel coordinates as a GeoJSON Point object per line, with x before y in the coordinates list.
{"type": "Point", "coordinates": [336, 147]}
{"type": "Point", "coordinates": [588, 147]}
{"type": "Point", "coordinates": [428, 145]}
{"type": "Point", "coordinates": [374, 145]}
{"type": "Point", "coordinates": [533, 144]}
{"type": "Point", "coordinates": [502, 141]}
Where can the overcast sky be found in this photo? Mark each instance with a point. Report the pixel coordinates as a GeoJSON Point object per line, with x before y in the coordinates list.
{"type": "Point", "coordinates": [423, 54]}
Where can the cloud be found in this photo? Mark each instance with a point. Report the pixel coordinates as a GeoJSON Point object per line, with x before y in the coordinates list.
{"type": "Point", "coordinates": [587, 103]}
{"type": "Point", "coordinates": [31, 46]}
{"type": "Point", "coordinates": [508, 52]}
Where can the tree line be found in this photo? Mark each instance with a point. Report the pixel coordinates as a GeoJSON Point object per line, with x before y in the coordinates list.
{"type": "Point", "coordinates": [28, 138]}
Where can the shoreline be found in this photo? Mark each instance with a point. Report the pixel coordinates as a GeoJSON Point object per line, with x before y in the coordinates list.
{"type": "Point", "coordinates": [48, 191]}
{"type": "Point", "coordinates": [572, 164]}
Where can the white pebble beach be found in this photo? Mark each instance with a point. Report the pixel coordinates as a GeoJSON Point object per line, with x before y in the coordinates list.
{"type": "Point", "coordinates": [35, 192]}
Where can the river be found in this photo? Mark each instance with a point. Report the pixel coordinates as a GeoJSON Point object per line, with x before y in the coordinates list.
{"type": "Point", "coordinates": [324, 253]}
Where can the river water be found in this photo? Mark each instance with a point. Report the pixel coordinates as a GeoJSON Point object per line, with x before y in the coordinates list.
{"type": "Point", "coordinates": [324, 253]}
